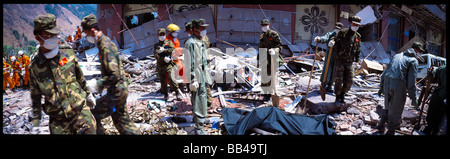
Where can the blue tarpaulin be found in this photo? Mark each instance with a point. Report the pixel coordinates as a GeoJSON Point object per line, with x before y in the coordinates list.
{"type": "Point", "coordinates": [272, 119]}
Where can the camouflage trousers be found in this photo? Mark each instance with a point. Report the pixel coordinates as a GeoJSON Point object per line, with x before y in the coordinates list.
{"type": "Point", "coordinates": [166, 77]}
{"type": "Point", "coordinates": [83, 123]}
{"type": "Point", "coordinates": [120, 116]}
{"type": "Point", "coordinates": [343, 77]}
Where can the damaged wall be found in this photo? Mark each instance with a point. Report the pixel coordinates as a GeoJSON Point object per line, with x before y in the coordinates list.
{"type": "Point", "coordinates": [146, 33]}
{"type": "Point", "coordinates": [306, 24]}
{"type": "Point", "coordinates": [109, 22]}
{"type": "Point", "coordinates": [241, 23]}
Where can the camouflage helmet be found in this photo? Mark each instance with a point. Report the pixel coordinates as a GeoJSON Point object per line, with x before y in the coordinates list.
{"type": "Point", "coordinates": [199, 22]}
{"type": "Point", "coordinates": [88, 21]}
{"type": "Point", "coordinates": [46, 22]}
{"type": "Point", "coordinates": [338, 25]}
{"type": "Point", "coordinates": [188, 26]}
{"type": "Point", "coordinates": [161, 30]}
{"type": "Point", "coordinates": [418, 45]}
{"type": "Point", "coordinates": [265, 22]}
{"type": "Point", "coordinates": [355, 19]}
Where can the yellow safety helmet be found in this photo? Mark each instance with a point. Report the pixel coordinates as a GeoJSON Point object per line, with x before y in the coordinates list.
{"type": "Point", "coordinates": [172, 27]}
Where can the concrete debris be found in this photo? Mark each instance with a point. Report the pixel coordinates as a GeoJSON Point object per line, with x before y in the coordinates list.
{"type": "Point", "coordinates": [153, 116]}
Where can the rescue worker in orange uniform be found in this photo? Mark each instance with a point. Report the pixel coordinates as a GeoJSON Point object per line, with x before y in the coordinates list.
{"type": "Point", "coordinates": [16, 67]}
{"type": "Point", "coordinates": [25, 61]}
{"type": "Point", "coordinates": [173, 31]}
{"type": "Point", "coordinates": [6, 76]}
{"type": "Point", "coordinates": [78, 35]}
{"type": "Point", "coordinates": [69, 39]}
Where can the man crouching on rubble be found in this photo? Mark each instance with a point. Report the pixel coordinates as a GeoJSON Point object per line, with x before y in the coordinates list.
{"type": "Point", "coordinates": [196, 49]}
{"type": "Point", "coordinates": [113, 79]}
{"type": "Point", "coordinates": [56, 74]}
{"type": "Point", "coordinates": [398, 77]}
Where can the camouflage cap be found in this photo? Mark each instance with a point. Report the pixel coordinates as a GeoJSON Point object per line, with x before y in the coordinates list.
{"type": "Point", "coordinates": [355, 19]}
{"type": "Point", "coordinates": [161, 30]}
{"type": "Point", "coordinates": [46, 22]}
{"type": "Point", "coordinates": [88, 21]}
{"type": "Point", "coordinates": [338, 25]}
{"type": "Point", "coordinates": [199, 22]}
{"type": "Point", "coordinates": [188, 26]}
{"type": "Point", "coordinates": [418, 45]}
{"type": "Point", "coordinates": [265, 22]}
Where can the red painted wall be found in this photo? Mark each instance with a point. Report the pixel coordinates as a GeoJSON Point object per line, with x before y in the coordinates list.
{"type": "Point", "coordinates": [163, 14]}
{"type": "Point", "coordinates": [114, 22]}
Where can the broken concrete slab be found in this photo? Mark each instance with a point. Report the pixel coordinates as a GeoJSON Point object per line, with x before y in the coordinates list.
{"type": "Point", "coordinates": [316, 105]}
{"type": "Point", "coordinates": [301, 85]}
{"type": "Point", "coordinates": [372, 66]}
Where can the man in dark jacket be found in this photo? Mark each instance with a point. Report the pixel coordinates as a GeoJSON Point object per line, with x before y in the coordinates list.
{"type": "Point", "coordinates": [398, 78]}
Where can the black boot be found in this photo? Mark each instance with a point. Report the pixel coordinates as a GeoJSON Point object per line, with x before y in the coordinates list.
{"type": "Point", "coordinates": [337, 102]}
{"type": "Point", "coordinates": [342, 98]}
{"type": "Point", "coordinates": [166, 97]}
{"type": "Point", "coordinates": [178, 95]}
{"type": "Point", "coordinates": [383, 119]}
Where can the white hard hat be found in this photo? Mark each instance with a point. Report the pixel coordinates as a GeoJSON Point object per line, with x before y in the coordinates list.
{"type": "Point", "coordinates": [20, 53]}
{"type": "Point", "coordinates": [13, 58]}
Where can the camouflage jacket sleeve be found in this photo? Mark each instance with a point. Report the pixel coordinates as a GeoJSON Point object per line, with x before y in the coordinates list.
{"type": "Point", "coordinates": [357, 47]}
{"type": "Point", "coordinates": [80, 77]}
{"type": "Point", "coordinates": [411, 79]}
{"type": "Point", "coordinates": [110, 60]}
{"type": "Point", "coordinates": [36, 97]}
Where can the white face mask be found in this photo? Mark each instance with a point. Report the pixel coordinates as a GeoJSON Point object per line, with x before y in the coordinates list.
{"type": "Point", "coordinates": [174, 34]}
{"type": "Point", "coordinates": [265, 28]}
{"type": "Point", "coordinates": [93, 39]}
{"type": "Point", "coordinates": [50, 43]}
{"type": "Point", "coordinates": [203, 33]}
{"type": "Point", "coordinates": [162, 38]}
{"type": "Point", "coordinates": [337, 31]}
{"type": "Point", "coordinates": [354, 28]}
{"type": "Point", "coordinates": [51, 54]}
{"type": "Point", "coordinates": [90, 39]}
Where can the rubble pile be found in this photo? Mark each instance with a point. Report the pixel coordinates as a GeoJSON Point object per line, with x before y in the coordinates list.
{"type": "Point", "coordinates": [17, 114]}
{"type": "Point", "coordinates": [153, 116]}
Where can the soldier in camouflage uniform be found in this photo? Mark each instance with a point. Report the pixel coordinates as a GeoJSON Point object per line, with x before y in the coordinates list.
{"type": "Point", "coordinates": [271, 41]}
{"type": "Point", "coordinates": [113, 79]}
{"type": "Point", "coordinates": [164, 66]}
{"type": "Point", "coordinates": [348, 48]}
{"type": "Point", "coordinates": [56, 74]}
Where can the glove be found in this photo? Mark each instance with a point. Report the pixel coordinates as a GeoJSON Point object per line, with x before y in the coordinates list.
{"type": "Point", "coordinates": [414, 103]}
{"type": "Point", "coordinates": [271, 51]}
{"type": "Point", "coordinates": [380, 92]}
{"type": "Point", "coordinates": [181, 57]}
{"type": "Point", "coordinates": [161, 49]}
{"type": "Point", "coordinates": [92, 86]}
{"type": "Point", "coordinates": [317, 39]}
{"type": "Point", "coordinates": [90, 101]}
{"type": "Point", "coordinates": [331, 43]}
{"type": "Point", "coordinates": [167, 59]}
{"type": "Point", "coordinates": [194, 86]}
